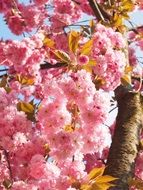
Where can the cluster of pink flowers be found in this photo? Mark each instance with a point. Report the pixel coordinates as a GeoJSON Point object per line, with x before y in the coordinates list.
{"type": "Point", "coordinates": [19, 141]}
{"type": "Point", "coordinates": [69, 127]}
{"type": "Point", "coordinates": [23, 57]}
{"type": "Point", "coordinates": [23, 18]}
{"type": "Point", "coordinates": [62, 98]}
{"type": "Point", "coordinates": [67, 136]}
{"type": "Point", "coordinates": [140, 4]}
{"type": "Point", "coordinates": [135, 38]}
{"type": "Point", "coordinates": [61, 109]}
{"type": "Point", "coordinates": [110, 59]}
{"type": "Point", "coordinates": [69, 121]}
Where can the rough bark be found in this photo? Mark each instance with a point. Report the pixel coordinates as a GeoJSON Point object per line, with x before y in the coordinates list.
{"type": "Point", "coordinates": [125, 142]}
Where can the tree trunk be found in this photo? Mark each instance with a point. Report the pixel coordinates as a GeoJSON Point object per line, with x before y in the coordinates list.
{"type": "Point", "coordinates": [125, 142]}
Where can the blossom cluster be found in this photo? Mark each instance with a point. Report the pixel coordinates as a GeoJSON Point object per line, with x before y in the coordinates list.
{"type": "Point", "coordinates": [107, 51]}
{"type": "Point", "coordinates": [49, 153]}
{"type": "Point", "coordinates": [54, 150]}
{"type": "Point", "coordinates": [23, 57]}
{"type": "Point", "coordinates": [22, 17]}
{"type": "Point", "coordinates": [65, 135]}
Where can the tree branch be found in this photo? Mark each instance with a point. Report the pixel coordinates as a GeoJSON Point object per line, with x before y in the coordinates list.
{"type": "Point", "coordinates": [125, 142]}
{"type": "Point", "coordinates": [2, 70]}
{"type": "Point", "coordinates": [94, 6]}
{"type": "Point", "coordinates": [8, 164]}
{"type": "Point", "coordinates": [48, 65]}
{"type": "Point", "coordinates": [99, 12]}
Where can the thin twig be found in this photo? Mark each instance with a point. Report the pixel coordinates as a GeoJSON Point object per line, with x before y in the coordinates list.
{"type": "Point", "coordinates": [94, 6]}
{"type": "Point", "coordinates": [8, 163]}
{"type": "Point", "coordinates": [109, 2]}
{"type": "Point", "coordinates": [112, 109]}
{"type": "Point", "coordinates": [4, 75]}
{"type": "Point", "coordinates": [47, 65]}
{"type": "Point", "coordinates": [100, 13]}
{"type": "Point", "coordinates": [2, 70]}
{"type": "Point", "coordinates": [78, 3]}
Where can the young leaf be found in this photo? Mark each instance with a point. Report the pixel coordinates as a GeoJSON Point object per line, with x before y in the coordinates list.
{"type": "Point", "coordinates": [102, 186]}
{"type": "Point", "coordinates": [85, 187]}
{"type": "Point", "coordinates": [25, 107]}
{"type": "Point", "coordinates": [95, 172]}
{"type": "Point", "coordinates": [7, 183]}
{"type": "Point", "coordinates": [64, 57]}
{"type": "Point", "coordinates": [126, 80]}
{"type": "Point", "coordinates": [24, 80]}
{"type": "Point", "coordinates": [105, 179]}
{"type": "Point", "coordinates": [3, 82]}
{"type": "Point", "coordinates": [99, 82]}
{"type": "Point", "coordinates": [86, 49]}
{"type": "Point", "coordinates": [128, 69]}
{"type": "Point", "coordinates": [141, 145]}
{"type": "Point", "coordinates": [69, 128]}
{"type": "Point", "coordinates": [28, 109]}
{"type": "Point", "coordinates": [127, 5]}
{"type": "Point", "coordinates": [7, 89]}
{"type": "Point", "coordinates": [27, 81]}
{"type": "Point", "coordinates": [48, 42]}
{"type": "Point", "coordinates": [92, 26]}
{"type": "Point", "coordinates": [73, 41]}
{"type": "Point", "coordinates": [89, 66]}
{"type": "Point", "coordinates": [117, 20]}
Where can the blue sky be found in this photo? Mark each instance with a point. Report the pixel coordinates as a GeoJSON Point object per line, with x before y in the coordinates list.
{"type": "Point", "coordinates": [137, 17]}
